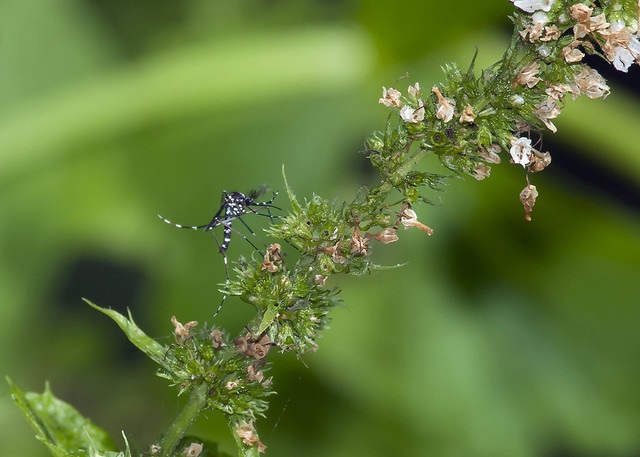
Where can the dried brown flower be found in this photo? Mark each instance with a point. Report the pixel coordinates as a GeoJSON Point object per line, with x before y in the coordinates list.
{"type": "Point", "coordinates": [528, 198]}
{"type": "Point", "coordinates": [272, 258]}
{"type": "Point", "coordinates": [388, 235]}
{"type": "Point", "coordinates": [247, 432]}
{"type": "Point", "coordinates": [182, 331]}
{"type": "Point", "coordinates": [467, 115]}
{"type": "Point", "coordinates": [490, 154]}
{"type": "Point", "coordinates": [217, 339]}
{"type": "Point", "coordinates": [253, 371]}
{"type": "Point", "coordinates": [358, 243]}
{"type": "Point", "coordinates": [539, 161]}
{"type": "Point", "coordinates": [481, 172]}
{"type": "Point", "coordinates": [408, 218]}
{"type": "Point", "coordinates": [527, 76]}
{"type": "Point", "coordinates": [333, 252]}
{"type": "Point", "coordinates": [258, 348]}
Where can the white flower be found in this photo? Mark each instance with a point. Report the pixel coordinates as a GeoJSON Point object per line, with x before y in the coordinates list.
{"type": "Point", "coordinates": [540, 17]}
{"type": "Point", "coordinates": [621, 47]}
{"type": "Point", "coordinates": [409, 218]}
{"type": "Point", "coordinates": [390, 97]}
{"type": "Point", "coordinates": [446, 106]}
{"type": "Point", "coordinates": [521, 150]}
{"type": "Point", "coordinates": [531, 6]}
{"type": "Point", "coordinates": [622, 58]}
{"type": "Point", "coordinates": [414, 90]}
{"type": "Point", "coordinates": [414, 116]}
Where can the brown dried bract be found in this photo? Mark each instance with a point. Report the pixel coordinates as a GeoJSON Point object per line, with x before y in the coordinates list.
{"type": "Point", "coordinates": [258, 348]}
{"type": "Point", "coordinates": [528, 198]}
{"type": "Point", "coordinates": [182, 330]}
{"type": "Point", "coordinates": [481, 172]}
{"type": "Point", "coordinates": [217, 339]}
{"type": "Point", "coordinates": [539, 161]}
{"type": "Point", "coordinates": [253, 371]}
{"type": "Point", "coordinates": [334, 252]}
{"type": "Point", "coordinates": [247, 432]}
{"type": "Point", "coordinates": [272, 258]}
{"type": "Point", "coordinates": [528, 75]}
{"type": "Point", "coordinates": [358, 243]}
{"type": "Point", "coordinates": [388, 235]}
{"type": "Point", "coordinates": [468, 115]}
{"type": "Point", "coordinates": [490, 154]}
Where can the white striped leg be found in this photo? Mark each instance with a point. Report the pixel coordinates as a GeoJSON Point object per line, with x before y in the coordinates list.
{"type": "Point", "coordinates": [192, 227]}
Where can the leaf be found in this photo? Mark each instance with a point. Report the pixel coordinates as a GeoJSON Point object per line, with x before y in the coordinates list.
{"type": "Point", "coordinates": [146, 344]}
{"type": "Point", "coordinates": [60, 426]}
{"type": "Point", "coordinates": [268, 317]}
{"type": "Point", "coordinates": [295, 206]}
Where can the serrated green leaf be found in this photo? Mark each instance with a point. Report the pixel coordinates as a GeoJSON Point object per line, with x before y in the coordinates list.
{"type": "Point", "coordinates": [60, 426]}
{"type": "Point", "coordinates": [146, 344]}
{"type": "Point", "coordinates": [295, 206]}
{"type": "Point", "coordinates": [268, 317]}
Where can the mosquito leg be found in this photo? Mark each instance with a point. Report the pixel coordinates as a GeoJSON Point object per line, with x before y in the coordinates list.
{"type": "Point", "coordinates": [192, 227]}
{"type": "Point", "coordinates": [268, 213]}
{"type": "Point", "coordinates": [226, 239]}
{"type": "Point", "coordinates": [248, 228]}
{"type": "Point", "coordinates": [247, 239]}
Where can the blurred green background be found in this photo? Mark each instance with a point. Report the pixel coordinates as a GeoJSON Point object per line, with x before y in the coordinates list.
{"type": "Point", "coordinates": [498, 338]}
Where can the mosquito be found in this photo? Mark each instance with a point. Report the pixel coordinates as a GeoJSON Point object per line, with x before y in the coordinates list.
{"type": "Point", "coordinates": [233, 205]}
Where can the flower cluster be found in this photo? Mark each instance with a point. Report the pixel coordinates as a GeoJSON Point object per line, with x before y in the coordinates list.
{"type": "Point", "coordinates": [468, 132]}
{"type": "Point", "coordinates": [468, 121]}
{"type": "Point", "coordinates": [594, 28]}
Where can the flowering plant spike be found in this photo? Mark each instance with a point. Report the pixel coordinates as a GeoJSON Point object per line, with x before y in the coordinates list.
{"type": "Point", "coordinates": [470, 122]}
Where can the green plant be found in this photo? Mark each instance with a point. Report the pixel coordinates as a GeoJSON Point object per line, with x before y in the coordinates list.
{"type": "Point", "coordinates": [467, 123]}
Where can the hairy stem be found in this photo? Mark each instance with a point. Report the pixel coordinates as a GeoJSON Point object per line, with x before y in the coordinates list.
{"type": "Point", "coordinates": [195, 405]}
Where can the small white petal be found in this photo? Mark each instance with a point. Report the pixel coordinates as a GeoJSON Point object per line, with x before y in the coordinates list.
{"type": "Point", "coordinates": [540, 17]}
{"type": "Point", "coordinates": [623, 59]}
{"type": "Point", "coordinates": [531, 6]}
{"type": "Point", "coordinates": [521, 150]}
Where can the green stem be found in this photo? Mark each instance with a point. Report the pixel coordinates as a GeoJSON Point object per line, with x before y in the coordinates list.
{"type": "Point", "coordinates": [195, 405]}
{"type": "Point", "coordinates": [243, 450]}
{"type": "Point", "coordinates": [406, 167]}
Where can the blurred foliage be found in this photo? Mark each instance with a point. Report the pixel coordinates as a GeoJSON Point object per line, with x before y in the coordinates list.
{"type": "Point", "coordinates": [498, 338]}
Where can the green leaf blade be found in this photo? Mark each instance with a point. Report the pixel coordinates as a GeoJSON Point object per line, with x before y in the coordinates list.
{"type": "Point", "coordinates": [60, 426]}
{"type": "Point", "coordinates": [146, 344]}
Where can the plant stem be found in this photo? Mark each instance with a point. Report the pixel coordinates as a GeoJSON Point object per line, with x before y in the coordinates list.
{"type": "Point", "coordinates": [190, 412]}
{"type": "Point", "coordinates": [405, 168]}
{"type": "Point", "coordinates": [243, 451]}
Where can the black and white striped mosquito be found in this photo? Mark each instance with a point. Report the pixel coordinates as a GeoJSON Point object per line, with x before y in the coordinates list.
{"type": "Point", "coordinates": [233, 206]}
